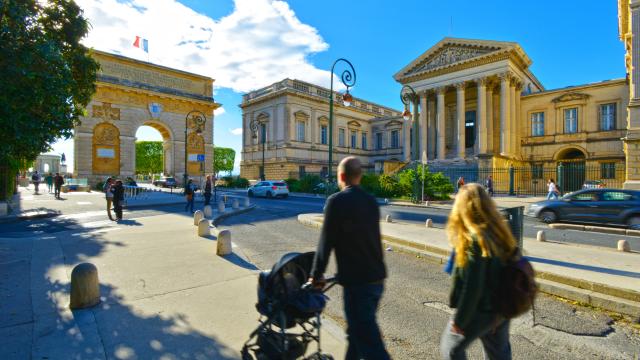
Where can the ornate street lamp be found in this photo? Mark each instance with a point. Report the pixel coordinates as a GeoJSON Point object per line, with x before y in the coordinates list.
{"type": "Point", "coordinates": [348, 78]}
{"type": "Point", "coordinates": [408, 97]}
{"type": "Point", "coordinates": [198, 120]}
{"type": "Point", "coordinates": [253, 125]}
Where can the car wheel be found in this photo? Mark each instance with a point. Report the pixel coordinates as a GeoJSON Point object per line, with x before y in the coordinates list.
{"type": "Point", "coordinates": [634, 222]}
{"type": "Point", "coordinates": [269, 194]}
{"type": "Point", "coordinates": [548, 216]}
{"type": "Point", "coordinates": [250, 193]}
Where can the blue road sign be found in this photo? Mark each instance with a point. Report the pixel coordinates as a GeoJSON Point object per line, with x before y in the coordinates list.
{"type": "Point", "coordinates": [201, 157]}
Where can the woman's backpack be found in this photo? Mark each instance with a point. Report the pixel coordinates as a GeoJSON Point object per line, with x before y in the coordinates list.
{"type": "Point", "coordinates": [516, 287]}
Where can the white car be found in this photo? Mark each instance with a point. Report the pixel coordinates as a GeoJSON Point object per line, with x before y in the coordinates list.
{"type": "Point", "coordinates": [269, 189]}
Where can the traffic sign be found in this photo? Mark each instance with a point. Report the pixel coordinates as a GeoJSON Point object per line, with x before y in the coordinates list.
{"type": "Point", "coordinates": [200, 157]}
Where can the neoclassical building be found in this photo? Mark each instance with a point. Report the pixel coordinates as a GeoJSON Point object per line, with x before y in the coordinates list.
{"type": "Point", "coordinates": [291, 122]}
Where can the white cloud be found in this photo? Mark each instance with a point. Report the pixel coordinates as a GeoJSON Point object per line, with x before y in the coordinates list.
{"type": "Point", "coordinates": [260, 42]}
{"type": "Point", "coordinates": [219, 111]}
{"type": "Point", "coordinates": [236, 131]}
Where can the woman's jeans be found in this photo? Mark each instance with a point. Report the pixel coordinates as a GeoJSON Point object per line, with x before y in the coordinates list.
{"type": "Point", "coordinates": [360, 306]}
{"type": "Point", "coordinates": [552, 195]}
{"type": "Point", "coordinates": [494, 337]}
{"type": "Point", "coordinates": [189, 204]}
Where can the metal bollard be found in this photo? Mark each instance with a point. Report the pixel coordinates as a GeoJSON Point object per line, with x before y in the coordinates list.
{"type": "Point", "coordinates": [85, 288]}
{"type": "Point", "coordinates": [197, 216]}
{"type": "Point", "coordinates": [224, 246]}
{"type": "Point", "coordinates": [203, 228]}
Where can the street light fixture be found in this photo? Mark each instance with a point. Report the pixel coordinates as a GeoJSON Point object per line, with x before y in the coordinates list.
{"type": "Point", "coordinates": [253, 125]}
{"type": "Point", "coordinates": [348, 78]}
{"type": "Point", "coordinates": [408, 97]}
{"type": "Point", "coordinates": [198, 120]}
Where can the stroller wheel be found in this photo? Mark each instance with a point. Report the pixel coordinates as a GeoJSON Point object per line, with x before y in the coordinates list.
{"type": "Point", "coordinates": [246, 355]}
{"type": "Point", "coordinates": [318, 356]}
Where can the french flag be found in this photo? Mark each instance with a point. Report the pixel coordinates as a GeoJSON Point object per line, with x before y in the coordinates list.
{"type": "Point", "coordinates": [145, 44]}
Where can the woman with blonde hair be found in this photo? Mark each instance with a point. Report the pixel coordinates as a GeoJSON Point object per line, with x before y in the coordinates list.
{"type": "Point", "coordinates": [482, 243]}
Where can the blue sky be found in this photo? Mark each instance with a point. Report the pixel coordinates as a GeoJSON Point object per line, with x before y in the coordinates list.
{"type": "Point", "coordinates": [252, 43]}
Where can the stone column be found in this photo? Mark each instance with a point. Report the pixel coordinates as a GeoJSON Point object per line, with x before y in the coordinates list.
{"type": "Point", "coordinates": [440, 123]}
{"type": "Point", "coordinates": [489, 118]}
{"type": "Point", "coordinates": [431, 132]}
{"type": "Point", "coordinates": [460, 119]}
{"type": "Point", "coordinates": [481, 119]}
{"type": "Point", "coordinates": [424, 126]}
{"type": "Point", "coordinates": [512, 118]}
{"type": "Point", "coordinates": [406, 131]}
{"type": "Point", "coordinates": [517, 119]}
{"type": "Point", "coordinates": [504, 113]}
{"type": "Point", "coordinates": [127, 155]}
{"type": "Point", "coordinates": [631, 140]}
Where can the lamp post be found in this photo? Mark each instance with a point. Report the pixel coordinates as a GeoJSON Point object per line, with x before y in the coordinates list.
{"type": "Point", "coordinates": [408, 96]}
{"type": "Point", "coordinates": [198, 120]}
{"type": "Point", "coordinates": [348, 78]}
{"type": "Point", "coordinates": [253, 125]}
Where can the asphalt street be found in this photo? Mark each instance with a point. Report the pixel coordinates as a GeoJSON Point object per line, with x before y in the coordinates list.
{"type": "Point", "coordinates": [414, 311]}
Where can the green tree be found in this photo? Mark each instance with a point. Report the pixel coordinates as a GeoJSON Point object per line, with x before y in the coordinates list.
{"type": "Point", "coordinates": [46, 78]}
{"type": "Point", "coordinates": [223, 159]}
{"type": "Point", "coordinates": [149, 157]}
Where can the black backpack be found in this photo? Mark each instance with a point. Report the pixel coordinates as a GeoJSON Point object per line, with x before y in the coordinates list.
{"type": "Point", "coordinates": [516, 288]}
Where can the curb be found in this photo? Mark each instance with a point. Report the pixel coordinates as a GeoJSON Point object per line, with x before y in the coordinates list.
{"type": "Point", "coordinates": [598, 229]}
{"type": "Point", "coordinates": [598, 295]}
{"type": "Point", "coordinates": [225, 215]}
{"type": "Point", "coordinates": [10, 219]}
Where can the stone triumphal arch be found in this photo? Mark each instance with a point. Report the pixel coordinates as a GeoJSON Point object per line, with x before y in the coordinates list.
{"type": "Point", "coordinates": [132, 93]}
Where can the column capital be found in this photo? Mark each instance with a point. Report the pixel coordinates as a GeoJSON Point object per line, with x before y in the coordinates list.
{"type": "Point", "coordinates": [441, 90]}
{"type": "Point", "coordinates": [460, 86]}
{"type": "Point", "coordinates": [484, 81]}
{"type": "Point", "coordinates": [506, 76]}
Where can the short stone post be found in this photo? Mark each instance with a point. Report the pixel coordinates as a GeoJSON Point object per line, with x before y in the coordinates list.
{"type": "Point", "coordinates": [429, 223]}
{"type": "Point", "coordinates": [388, 218]}
{"type": "Point", "coordinates": [224, 199]}
{"type": "Point", "coordinates": [623, 245]}
{"type": "Point", "coordinates": [224, 243]}
{"type": "Point", "coordinates": [541, 236]}
{"type": "Point", "coordinates": [246, 202]}
{"type": "Point", "coordinates": [208, 212]}
{"type": "Point", "coordinates": [235, 204]}
{"type": "Point", "coordinates": [426, 203]}
{"type": "Point", "coordinates": [203, 228]}
{"type": "Point", "coordinates": [85, 289]}
{"type": "Point", "coordinates": [220, 207]}
{"type": "Point", "coordinates": [197, 216]}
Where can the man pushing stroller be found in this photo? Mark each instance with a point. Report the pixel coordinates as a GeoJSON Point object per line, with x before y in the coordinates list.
{"type": "Point", "coordinates": [351, 228]}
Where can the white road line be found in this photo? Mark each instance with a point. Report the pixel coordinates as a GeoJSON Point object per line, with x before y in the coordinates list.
{"type": "Point", "coordinates": [84, 203]}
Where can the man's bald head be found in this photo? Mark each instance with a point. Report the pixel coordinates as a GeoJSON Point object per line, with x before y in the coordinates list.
{"type": "Point", "coordinates": [350, 171]}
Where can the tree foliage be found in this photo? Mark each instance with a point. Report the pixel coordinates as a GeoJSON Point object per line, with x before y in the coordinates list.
{"type": "Point", "coordinates": [223, 159]}
{"type": "Point", "coordinates": [149, 157]}
{"type": "Point", "coordinates": [46, 76]}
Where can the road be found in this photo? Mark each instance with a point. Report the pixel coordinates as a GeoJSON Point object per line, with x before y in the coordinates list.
{"type": "Point", "coordinates": [413, 311]}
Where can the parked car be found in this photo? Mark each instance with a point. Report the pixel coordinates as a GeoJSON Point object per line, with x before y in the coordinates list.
{"type": "Point", "coordinates": [269, 189]}
{"type": "Point", "coordinates": [600, 206]}
{"type": "Point", "coordinates": [593, 184]}
{"type": "Point", "coordinates": [165, 182]}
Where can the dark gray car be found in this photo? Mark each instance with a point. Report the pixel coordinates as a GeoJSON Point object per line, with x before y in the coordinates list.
{"type": "Point", "coordinates": [603, 206]}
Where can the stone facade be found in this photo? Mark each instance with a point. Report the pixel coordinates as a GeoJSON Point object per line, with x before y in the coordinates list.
{"type": "Point", "coordinates": [132, 93]}
{"type": "Point", "coordinates": [293, 117]}
{"type": "Point", "coordinates": [49, 163]}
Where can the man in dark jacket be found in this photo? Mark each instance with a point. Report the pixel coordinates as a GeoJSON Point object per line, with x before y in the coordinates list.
{"type": "Point", "coordinates": [118, 198]}
{"type": "Point", "coordinates": [207, 191]}
{"type": "Point", "coordinates": [352, 228]}
{"type": "Point", "coordinates": [58, 181]}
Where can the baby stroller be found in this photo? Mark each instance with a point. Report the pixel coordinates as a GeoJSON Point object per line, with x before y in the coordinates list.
{"type": "Point", "coordinates": [284, 303]}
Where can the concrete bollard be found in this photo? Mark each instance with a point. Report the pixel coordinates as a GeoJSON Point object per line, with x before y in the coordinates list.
{"type": "Point", "coordinates": [541, 236]}
{"type": "Point", "coordinates": [197, 216]}
{"type": "Point", "coordinates": [224, 199]}
{"type": "Point", "coordinates": [235, 204]}
{"type": "Point", "coordinates": [429, 223]}
{"type": "Point", "coordinates": [208, 212]}
{"type": "Point", "coordinates": [246, 202]}
{"type": "Point", "coordinates": [388, 218]}
{"type": "Point", "coordinates": [85, 289]}
{"type": "Point", "coordinates": [623, 245]}
{"type": "Point", "coordinates": [426, 203]}
{"type": "Point", "coordinates": [220, 207]}
{"type": "Point", "coordinates": [203, 228]}
{"type": "Point", "coordinates": [224, 243]}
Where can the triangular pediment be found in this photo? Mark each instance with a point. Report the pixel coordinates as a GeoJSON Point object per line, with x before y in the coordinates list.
{"type": "Point", "coordinates": [571, 97]}
{"type": "Point", "coordinates": [451, 52]}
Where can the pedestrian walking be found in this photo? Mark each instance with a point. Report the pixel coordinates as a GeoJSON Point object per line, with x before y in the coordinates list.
{"type": "Point", "coordinates": [108, 196]}
{"type": "Point", "coordinates": [188, 194]}
{"type": "Point", "coordinates": [207, 191]}
{"type": "Point", "coordinates": [49, 180]}
{"type": "Point", "coordinates": [35, 178]}
{"type": "Point", "coordinates": [352, 229]}
{"type": "Point", "coordinates": [460, 183]}
{"type": "Point", "coordinates": [482, 243]}
{"type": "Point", "coordinates": [489, 185]}
{"type": "Point", "coordinates": [118, 198]}
{"type": "Point", "coordinates": [58, 181]}
{"type": "Point", "coordinates": [553, 190]}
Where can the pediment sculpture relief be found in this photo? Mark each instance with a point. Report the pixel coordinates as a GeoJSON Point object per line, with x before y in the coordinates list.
{"type": "Point", "coordinates": [450, 55]}
{"type": "Point", "coordinates": [106, 135]}
{"type": "Point", "coordinates": [106, 112]}
{"type": "Point", "coordinates": [571, 97]}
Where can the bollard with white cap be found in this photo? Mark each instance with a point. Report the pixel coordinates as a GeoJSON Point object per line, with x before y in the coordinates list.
{"type": "Point", "coordinates": [428, 223]}
{"type": "Point", "coordinates": [208, 212]}
{"type": "Point", "coordinates": [224, 243]}
{"type": "Point", "coordinates": [220, 207]}
{"type": "Point", "coordinates": [85, 289]}
{"type": "Point", "coordinates": [197, 216]}
{"type": "Point", "coordinates": [235, 204]}
{"type": "Point", "coordinates": [623, 245]}
{"type": "Point", "coordinates": [203, 228]}
{"type": "Point", "coordinates": [541, 237]}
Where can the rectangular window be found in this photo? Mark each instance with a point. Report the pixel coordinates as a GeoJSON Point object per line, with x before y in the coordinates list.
{"type": "Point", "coordinates": [323, 134]}
{"type": "Point", "coordinates": [537, 124]}
{"type": "Point", "coordinates": [607, 170]}
{"type": "Point", "coordinates": [537, 171]}
{"type": "Point", "coordinates": [571, 121]}
{"type": "Point", "coordinates": [341, 135]}
{"type": "Point", "coordinates": [364, 140]}
{"type": "Point", "coordinates": [300, 131]}
{"type": "Point", "coordinates": [302, 171]}
{"type": "Point", "coordinates": [608, 117]}
{"type": "Point", "coordinates": [354, 139]}
{"type": "Point", "coordinates": [378, 141]}
{"type": "Point", "coordinates": [395, 139]}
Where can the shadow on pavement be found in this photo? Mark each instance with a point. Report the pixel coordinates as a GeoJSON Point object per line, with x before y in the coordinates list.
{"type": "Point", "coordinates": [237, 260]}
{"type": "Point", "coordinates": [585, 267]}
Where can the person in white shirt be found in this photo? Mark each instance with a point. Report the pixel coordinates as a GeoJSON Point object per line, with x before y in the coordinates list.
{"type": "Point", "coordinates": [553, 190]}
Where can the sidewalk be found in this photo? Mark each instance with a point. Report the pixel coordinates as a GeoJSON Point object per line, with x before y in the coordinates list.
{"type": "Point", "coordinates": [500, 200]}
{"type": "Point", "coordinates": [165, 294]}
{"type": "Point", "coordinates": [601, 277]}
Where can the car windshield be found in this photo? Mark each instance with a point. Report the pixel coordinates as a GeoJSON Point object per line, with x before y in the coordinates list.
{"type": "Point", "coordinates": [279, 184]}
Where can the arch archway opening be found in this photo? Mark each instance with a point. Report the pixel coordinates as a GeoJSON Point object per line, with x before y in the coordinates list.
{"type": "Point", "coordinates": [573, 169]}
{"type": "Point", "coordinates": [154, 152]}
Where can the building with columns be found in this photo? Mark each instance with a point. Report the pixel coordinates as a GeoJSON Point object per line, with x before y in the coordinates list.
{"type": "Point", "coordinates": [291, 128]}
